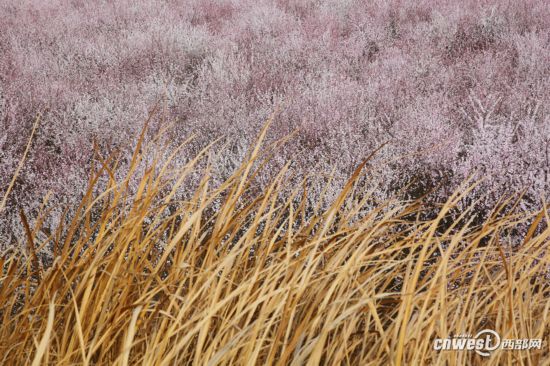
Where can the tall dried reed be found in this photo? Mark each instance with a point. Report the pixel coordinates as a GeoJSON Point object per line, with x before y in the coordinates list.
{"type": "Point", "coordinates": [237, 276]}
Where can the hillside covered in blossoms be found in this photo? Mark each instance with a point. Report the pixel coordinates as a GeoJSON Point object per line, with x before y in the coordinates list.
{"type": "Point", "coordinates": [449, 89]}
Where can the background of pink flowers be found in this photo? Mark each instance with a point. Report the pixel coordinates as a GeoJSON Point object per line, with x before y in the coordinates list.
{"type": "Point", "coordinates": [453, 87]}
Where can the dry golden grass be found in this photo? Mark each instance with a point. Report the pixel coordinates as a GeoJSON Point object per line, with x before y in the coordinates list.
{"type": "Point", "coordinates": [254, 282]}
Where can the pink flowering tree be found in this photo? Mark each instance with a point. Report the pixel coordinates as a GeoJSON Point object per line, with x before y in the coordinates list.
{"type": "Point", "coordinates": [453, 89]}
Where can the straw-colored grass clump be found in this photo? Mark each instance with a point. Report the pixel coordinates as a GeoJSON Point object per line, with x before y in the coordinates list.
{"type": "Point", "coordinates": [236, 276]}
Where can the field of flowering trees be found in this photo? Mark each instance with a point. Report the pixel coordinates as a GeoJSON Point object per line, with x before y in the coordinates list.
{"type": "Point", "coordinates": [452, 88]}
{"type": "Point", "coordinates": [274, 182]}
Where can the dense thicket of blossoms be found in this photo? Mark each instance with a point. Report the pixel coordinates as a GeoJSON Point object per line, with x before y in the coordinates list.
{"type": "Point", "coordinates": [453, 87]}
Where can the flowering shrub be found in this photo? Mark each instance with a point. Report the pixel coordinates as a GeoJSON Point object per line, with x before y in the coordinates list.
{"type": "Point", "coordinates": [453, 88]}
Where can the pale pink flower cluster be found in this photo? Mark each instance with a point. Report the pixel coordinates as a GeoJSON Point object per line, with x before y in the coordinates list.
{"type": "Point", "coordinates": [453, 87]}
